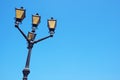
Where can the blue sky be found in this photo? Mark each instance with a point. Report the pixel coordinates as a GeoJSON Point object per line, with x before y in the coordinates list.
{"type": "Point", "coordinates": [86, 45]}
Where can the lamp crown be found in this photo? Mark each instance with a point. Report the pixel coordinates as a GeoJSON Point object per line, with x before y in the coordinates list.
{"type": "Point", "coordinates": [37, 14]}
{"type": "Point", "coordinates": [22, 7]}
{"type": "Point", "coordinates": [52, 18]}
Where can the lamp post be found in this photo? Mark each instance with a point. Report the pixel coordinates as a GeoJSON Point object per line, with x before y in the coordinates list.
{"type": "Point", "coordinates": [30, 38]}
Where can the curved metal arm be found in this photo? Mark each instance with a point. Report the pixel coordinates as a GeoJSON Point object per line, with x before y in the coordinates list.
{"type": "Point", "coordinates": [22, 32]}
{"type": "Point", "coordinates": [42, 39]}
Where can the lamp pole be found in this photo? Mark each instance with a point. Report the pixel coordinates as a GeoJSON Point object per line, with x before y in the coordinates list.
{"type": "Point", "coordinates": [20, 15]}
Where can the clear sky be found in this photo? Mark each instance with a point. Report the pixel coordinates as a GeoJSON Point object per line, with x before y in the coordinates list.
{"type": "Point", "coordinates": [86, 45]}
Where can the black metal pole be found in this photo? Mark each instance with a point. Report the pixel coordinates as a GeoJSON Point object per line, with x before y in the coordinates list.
{"type": "Point", "coordinates": [26, 70]}
{"type": "Point", "coordinates": [17, 26]}
{"type": "Point", "coordinates": [39, 40]}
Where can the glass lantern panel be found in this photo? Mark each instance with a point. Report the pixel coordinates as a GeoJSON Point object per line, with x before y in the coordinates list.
{"type": "Point", "coordinates": [51, 23]}
{"type": "Point", "coordinates": [36, 20]}
{"type": "Point", "coordinates": [19, 14]}
{"type": "Point", "coordinates": [30, 36]}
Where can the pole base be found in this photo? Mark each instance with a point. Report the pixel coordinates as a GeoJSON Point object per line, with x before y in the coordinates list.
{"type": "Point", "coordinates": [26, 72]}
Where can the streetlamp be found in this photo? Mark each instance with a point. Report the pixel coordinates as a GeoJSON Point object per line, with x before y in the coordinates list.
{"type": "Point", "coordinates": [20, 14]}
{"type": "Point", "coordinates": [30, 38]}
{"type": "Point", "coordinates": [51, 25]}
